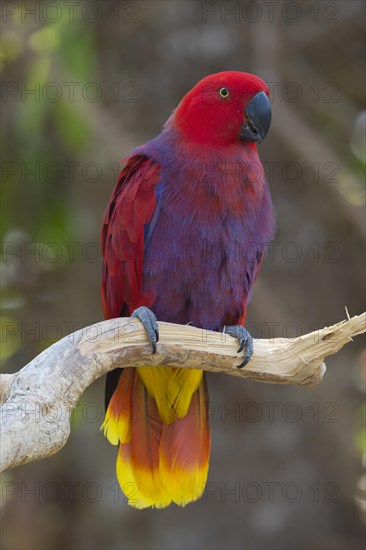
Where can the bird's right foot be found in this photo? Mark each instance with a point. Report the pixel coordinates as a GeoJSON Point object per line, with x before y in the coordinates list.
{"type": "Point", "coordinates": [148, 319]}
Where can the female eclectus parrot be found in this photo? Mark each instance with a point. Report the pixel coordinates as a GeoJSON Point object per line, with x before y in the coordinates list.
{"type": "Point", "coordinates": [182, 241]}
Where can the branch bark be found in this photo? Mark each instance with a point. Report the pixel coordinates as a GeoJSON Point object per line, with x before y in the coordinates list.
{"type": "Point", "coordinates": [38, 400]}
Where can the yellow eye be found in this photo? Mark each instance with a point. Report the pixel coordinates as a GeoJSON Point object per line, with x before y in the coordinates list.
{"type": "Point", "coordinates": [224, 92]}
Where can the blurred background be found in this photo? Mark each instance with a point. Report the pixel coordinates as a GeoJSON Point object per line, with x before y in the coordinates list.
{"type": "Point", "coordinates": [82, 84]}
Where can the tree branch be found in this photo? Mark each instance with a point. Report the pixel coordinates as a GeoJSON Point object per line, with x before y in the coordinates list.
{"type": "Point", "coordinates": [38, 400]}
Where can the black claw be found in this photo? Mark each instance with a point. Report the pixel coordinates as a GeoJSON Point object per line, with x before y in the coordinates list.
{"type": "Point", "coordinates": [148, 319]}
{"type": "Point", "coordinates": [242, 346]}
{"type": "Point", "coordinates": [245, 341]}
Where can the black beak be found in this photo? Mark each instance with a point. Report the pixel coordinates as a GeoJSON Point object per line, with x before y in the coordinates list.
{"type": "Point", "coordinates": [258, 116]}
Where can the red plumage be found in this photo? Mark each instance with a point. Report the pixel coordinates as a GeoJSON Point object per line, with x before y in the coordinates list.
{"type": "Point", "coordinates": [131, 207]}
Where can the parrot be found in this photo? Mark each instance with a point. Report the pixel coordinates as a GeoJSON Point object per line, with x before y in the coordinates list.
{"type": "Point", "coordinates": [183, 239]}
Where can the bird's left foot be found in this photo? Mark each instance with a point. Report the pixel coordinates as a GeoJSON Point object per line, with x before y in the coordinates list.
{"type": "Point", "coordinates": [148, 319]}
{"type": "Point", "coordinates": [245, 340]}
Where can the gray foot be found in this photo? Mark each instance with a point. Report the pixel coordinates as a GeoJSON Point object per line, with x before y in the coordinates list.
{"type": "Point", "coordinates": [148, 319]}
{"type": "Point", "coordinates": [245, 341]}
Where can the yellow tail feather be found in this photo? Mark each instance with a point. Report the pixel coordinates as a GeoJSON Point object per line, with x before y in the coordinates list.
{"type": "Point", "coordinates": [172, 389]}
{"type": "Point", "coordinates": [158, 415]}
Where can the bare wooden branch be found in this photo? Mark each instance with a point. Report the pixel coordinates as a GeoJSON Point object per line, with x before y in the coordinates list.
{"type": "Point", "coordinates": [38, 400]}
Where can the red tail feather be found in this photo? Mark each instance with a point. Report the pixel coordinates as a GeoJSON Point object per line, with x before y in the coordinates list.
{"type": "Point", "coordinates": [159, 463]}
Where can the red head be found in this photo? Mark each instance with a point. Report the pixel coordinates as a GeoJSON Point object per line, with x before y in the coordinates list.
{"type": "Point", "coordinates": [224, 109]}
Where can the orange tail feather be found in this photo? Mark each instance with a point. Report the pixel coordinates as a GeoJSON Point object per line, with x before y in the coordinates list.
{"type": "Point", "coordinates": [158, 463]}
{"type": "Point", "coordinates": [185, 451]}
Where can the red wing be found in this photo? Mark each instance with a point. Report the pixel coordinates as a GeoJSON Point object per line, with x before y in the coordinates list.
{"type": "Point", "coordinates": [131, 207]}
